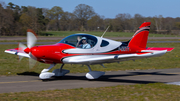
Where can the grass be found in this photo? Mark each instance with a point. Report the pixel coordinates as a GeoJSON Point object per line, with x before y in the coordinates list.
{"type": "Point", "coordinates": [9, 64]}
{"type": "Point", "coordinates": [138, 92]}
{"type": "Point", "coordinates": [108, 34]}
{"type": "Point", "coordinates": [55, 41]}
{"type": "Point", "coordinates": [66, 33]}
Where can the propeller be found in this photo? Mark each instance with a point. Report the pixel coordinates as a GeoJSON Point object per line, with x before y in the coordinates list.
{"type": "Point", "coordinates": [31, 40]}
{"type": "Point", "coordinates": [21, 47]}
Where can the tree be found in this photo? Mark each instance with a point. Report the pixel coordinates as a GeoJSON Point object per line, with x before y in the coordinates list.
{"type": "Point", "coordinates": [11, 5]}
{"type": "Point", "coordinates": [25, 21]}
{"type": "Point", "coordinates": [138, 20]}
{"type": "Point", "coordinates": [83, 13]}
{"type": "Point", "coordinates": [168, 23]}
{"type": "Point", "coordinates": [6, 20]}
{"type": "Point", "coordinates": [95, 23]}
{"type": "Point", "coordinates": [24, 9]}
{"type": "Point", "coordinates": [16, 13]}
{"type": "Point", "coordinates": [177, 24]}
{"type": "Point", "coordinates": [158, 22]}
{"type": "Point", "coordinates": [46, 18]}
{"type": "Point", "coordinates": [67, 21]}
{"type": "Point", "coordinates": [108, 22]}
{"type": "Point", "coordinates": [54, 15]}
{"type": "Point", "coordinates": [15, 20]}
{"type": "Point", "coordinates": [121, 22]}
{"type": "Point", "coordinates": [41, 19]}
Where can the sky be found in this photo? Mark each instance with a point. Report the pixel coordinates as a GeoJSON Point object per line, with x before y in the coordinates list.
{"type": "Point", "coordinates": [111, 8]}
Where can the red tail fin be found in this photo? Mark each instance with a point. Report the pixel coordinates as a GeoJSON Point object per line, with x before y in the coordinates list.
{"type": "Point", "coordinates": [139, 39]}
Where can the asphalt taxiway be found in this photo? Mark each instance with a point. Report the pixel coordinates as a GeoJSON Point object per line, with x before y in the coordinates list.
{"type": "Point", "coordinates": [60, 38]}
{"type": "Point", "coordinates": [7, 43]}
{"type": "Point", "coordinates": [25, 82]}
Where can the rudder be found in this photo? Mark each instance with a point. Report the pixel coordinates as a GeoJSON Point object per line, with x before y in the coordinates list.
{"type": "Point", "coordinates": [139, 39]}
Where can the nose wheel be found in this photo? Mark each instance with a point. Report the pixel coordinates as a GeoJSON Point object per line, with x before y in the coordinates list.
{"type": "Point", "coordinates": [57, 72]}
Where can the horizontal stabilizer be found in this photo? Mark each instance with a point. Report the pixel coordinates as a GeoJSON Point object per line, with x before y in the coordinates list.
{"type": "Point", "coordinates": [151, 49]}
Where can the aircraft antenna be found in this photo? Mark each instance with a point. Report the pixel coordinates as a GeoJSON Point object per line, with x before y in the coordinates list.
{"type": "Point", "coordinates": [105, 31]}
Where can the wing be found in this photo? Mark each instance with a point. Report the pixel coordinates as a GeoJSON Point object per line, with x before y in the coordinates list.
{"type": "Point", "coordinates": [17, 52]}
{"type": "Point", "coordinates": [99, 59]}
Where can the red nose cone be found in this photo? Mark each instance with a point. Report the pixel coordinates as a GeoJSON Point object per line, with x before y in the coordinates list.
{"type": "Point", "coordinates": [27, 50]}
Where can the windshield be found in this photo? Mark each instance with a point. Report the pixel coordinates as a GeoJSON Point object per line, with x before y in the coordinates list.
{"type": "Point", "coordinates": [80, 40]}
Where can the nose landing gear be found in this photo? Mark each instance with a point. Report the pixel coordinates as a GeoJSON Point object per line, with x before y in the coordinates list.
{"type": "Point", "coordinates": [57, 72]}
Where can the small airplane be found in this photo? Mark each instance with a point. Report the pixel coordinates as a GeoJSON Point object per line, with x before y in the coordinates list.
{"type": "Point", "coordinates": [87, 50]}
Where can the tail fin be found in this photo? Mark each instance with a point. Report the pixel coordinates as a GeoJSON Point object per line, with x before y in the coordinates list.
{"type": "Point", "coordinates": [139, 39]}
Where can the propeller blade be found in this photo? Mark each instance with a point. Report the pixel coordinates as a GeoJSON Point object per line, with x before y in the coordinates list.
{"type": "Point", "coordinates": [21, 47]}
{"type": "Point", "coordinates": [31, 38]}
{"type": "Point", "coordinates": [32, 61]}
{"type": "Point", "coordinates": [20, 58]}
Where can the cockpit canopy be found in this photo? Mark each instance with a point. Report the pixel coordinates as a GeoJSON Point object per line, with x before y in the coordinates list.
{"type": "Point", "coordinates": [73, 40]}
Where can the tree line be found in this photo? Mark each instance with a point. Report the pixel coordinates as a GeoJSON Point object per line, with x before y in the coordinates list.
{"type": "Point", "coordinates": [15, 20]}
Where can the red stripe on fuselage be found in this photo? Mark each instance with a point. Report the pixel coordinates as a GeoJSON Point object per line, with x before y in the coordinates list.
{"type": "Point", "coordinates": [54, 53]}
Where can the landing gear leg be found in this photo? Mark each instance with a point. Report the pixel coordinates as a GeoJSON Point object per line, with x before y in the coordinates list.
{"type": "Point", "coordinates": [60, 72]}
{"type": "Point", "coordinates": [93, 74]}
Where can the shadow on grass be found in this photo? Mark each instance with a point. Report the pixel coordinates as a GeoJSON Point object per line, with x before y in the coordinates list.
{"type": "Point", "coordinates": [111, 78]}
{"type": "Point", "coordinates": [29, 74]}
{"type": "Point", "coordinates": [117, 78]}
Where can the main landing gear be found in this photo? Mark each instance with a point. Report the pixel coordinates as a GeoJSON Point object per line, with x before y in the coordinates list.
{"type": "Point", "coordinates": [93, 74]}
{"type": "Point", "coordinates": [61, 72]}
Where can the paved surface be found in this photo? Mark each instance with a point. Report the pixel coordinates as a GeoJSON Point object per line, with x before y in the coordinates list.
{"type": "Point", "coordinates": [24, 83]}
{"type": "Point", "coordinates": [59, 38]}
{"type": "Point", "coordinates": [6, 43]}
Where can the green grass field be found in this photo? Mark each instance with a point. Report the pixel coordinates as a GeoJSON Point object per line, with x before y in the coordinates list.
{"type": "Point", "coordinates": [138, 92]}
{"type": "Point", "coordinates": [108, 34]}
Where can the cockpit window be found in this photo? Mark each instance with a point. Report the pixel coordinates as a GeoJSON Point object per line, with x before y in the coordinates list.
{"type": "Point", "coordinates": [104, 43]}
{"type": "Point", "coordinates": [80, 40]}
